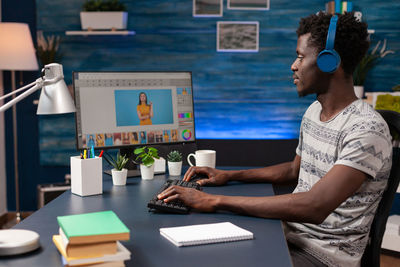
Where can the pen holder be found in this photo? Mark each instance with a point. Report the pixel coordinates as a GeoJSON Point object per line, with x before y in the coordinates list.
{"type": "Point", "coordinates": [86, 176]}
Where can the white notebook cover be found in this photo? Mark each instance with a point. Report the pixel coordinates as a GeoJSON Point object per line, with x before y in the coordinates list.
{"type": "Point", "coordinates": [205, 234]}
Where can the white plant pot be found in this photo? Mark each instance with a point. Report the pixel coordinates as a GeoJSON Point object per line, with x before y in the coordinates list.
{"type": "Point", "coordinates": [119, 177]}
{"type": "Point", "coordinates": [147, 172]}
{"type": "Point", "coordinates": [104, 20]}
{"type": "Point", "coordinates": [175, 168]}
{"type": "Point", "coordinates": [359, 91]}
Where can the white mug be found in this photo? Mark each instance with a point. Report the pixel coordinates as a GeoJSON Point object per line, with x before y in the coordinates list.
{"type": "Point", "coordinates": [204, 158]}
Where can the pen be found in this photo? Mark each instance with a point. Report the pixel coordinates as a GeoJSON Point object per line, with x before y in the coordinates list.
{"type": "Point", "coordinates": [92, 152]}
{"type": "Point", "coordinates": [84, 153]}
{"type": "Point", "coordinates": [81, 156]}
{"type": "Point", "coordinates": [101, 153]}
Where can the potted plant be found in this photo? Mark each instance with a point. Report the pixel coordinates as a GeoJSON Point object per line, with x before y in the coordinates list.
{"type": "Point", "coordinates": [145, 157]}
{"type": "Point", "coordinates": [104, 15]}
{"type": "Point", "coordinates": [174, 159]}
{"type": "Point", "coordinates": [118, 173]}
{"type": "Point", "coordinates": [365, 65]}
{"type": "Point", "coordinates": [47, 48]}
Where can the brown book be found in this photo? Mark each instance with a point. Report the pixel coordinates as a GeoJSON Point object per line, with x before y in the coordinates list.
{"type": "Point", "coordinates": [330, 7]}
{"type": "Point", "coordinates": [87, 250]}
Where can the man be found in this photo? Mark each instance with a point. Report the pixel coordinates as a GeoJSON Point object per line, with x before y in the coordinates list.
{"type": "Point", "coordinates": [342, 160]}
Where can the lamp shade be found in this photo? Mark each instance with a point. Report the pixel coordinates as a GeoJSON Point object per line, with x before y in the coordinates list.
{"type": "Point", "coordinates": [16, 47]}
{"type": "Point", "coordinates": [55, 97]}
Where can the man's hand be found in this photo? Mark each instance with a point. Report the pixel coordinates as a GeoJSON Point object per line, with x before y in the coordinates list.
{"type": "Point", "coordinates": [215, 177]}
{"type": "Point", "coordinates": [191, 197]}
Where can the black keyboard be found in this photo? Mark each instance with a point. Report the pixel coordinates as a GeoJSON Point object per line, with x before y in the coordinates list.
{"type": "Point", "coordinates": [175, 206]}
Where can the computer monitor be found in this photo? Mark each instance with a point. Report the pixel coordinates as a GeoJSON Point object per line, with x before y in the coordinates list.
{"type": "Point", "coordinates": [128, 109]}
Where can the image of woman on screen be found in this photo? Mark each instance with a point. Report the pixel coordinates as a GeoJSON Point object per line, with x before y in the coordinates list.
{"type": "Point", "coordinates": [144, 110]}
{"type": "Point", "coordinates": [143, 138]}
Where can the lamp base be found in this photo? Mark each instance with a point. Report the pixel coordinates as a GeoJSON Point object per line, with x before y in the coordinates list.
{"type": "Point", "coordinates": [18, 241]}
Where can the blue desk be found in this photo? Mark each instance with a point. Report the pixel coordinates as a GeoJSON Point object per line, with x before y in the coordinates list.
{"type": "Point", "coordinates": [147, 246]}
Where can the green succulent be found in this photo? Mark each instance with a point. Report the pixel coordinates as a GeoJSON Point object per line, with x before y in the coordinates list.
{"type": "Point", "coordinates": [146, 155]}
{"type": "Point", "coordinates": [103, 5]}
{"type": "Point", "coordinates": [118, 163]}
{"type": "Point", "coordinates": [174, 156]}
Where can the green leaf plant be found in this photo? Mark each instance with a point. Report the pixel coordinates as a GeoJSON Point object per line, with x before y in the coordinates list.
{"type": "Point", "coordinates": [368, 62]}
{"type": "Point", "coordinates": [146, 155]}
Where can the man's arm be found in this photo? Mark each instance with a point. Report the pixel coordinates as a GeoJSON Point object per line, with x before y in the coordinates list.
{"type": "Point", "coordinates": [280, 173]}
{"type": "Point", "coordinates": [313, 206]}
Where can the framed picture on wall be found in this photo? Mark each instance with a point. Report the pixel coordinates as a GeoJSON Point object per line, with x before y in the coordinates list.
{"type": "Point", "coordinates": [237, 36]}
{"type": "Point", "coordinates": [249, 4]}
{"type": "Point", "coordinates": [207, 8]}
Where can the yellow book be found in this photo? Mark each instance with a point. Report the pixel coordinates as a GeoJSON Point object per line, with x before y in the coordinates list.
{"type": "Point", "coordinates": [122, 255]}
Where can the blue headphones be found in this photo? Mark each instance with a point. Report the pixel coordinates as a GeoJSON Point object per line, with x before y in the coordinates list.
{"type": "Point", "coordinates": [329, 60]}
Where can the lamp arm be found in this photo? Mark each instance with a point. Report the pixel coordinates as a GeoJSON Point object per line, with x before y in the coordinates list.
{"type": "Point", "coordinates": [21, 96]}
{"type": "Point", "coordinates": [19, 90]}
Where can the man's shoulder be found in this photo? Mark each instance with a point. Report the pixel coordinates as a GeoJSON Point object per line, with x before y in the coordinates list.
{"type": "Point", "coordinates": [363, 114]}
{"type": "Point", "coordinates": [313, 108]}
{"type": "Point", "coordinates": [361, 109]}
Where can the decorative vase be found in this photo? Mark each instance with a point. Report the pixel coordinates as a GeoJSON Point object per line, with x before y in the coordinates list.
{"type": "Point", "coordinates": [175, 168]}
{"type": "Point", "coordinates": [359, 91]}
{"type": "Point", "coordinates": [119, 177]}
{"type": "Point", "coordinates": [147, 172]}
{"type": "Point", "coordinates": [104, 20]}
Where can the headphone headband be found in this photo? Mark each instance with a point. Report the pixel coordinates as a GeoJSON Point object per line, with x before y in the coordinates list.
{"type": "Point", "coordinates": [330, 40]}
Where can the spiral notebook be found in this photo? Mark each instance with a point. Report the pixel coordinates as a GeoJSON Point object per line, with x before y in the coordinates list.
{"type": "Point", "coordinates": [205, 234]}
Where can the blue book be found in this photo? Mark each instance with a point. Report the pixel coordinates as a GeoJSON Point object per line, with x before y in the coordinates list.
{"type": "Point", "coordinates": [349, 6]}
{"type": "Point", "coordinates": [338, 6]}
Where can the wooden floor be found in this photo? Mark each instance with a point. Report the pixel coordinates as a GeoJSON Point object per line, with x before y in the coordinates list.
{"type": "Point", "coordinates": [388, 258]}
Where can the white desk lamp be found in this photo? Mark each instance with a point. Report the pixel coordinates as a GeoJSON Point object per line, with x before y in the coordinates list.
{"type": "Point", "coordinates": [17, 53]}
{"type": "Point", "coordinates": [54, 98]}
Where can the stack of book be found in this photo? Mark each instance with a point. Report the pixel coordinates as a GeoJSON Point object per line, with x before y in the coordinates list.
{"type": "Point", "coordinates": [91, 239]}
{"type": "Point", "coordinates": [333, 7]}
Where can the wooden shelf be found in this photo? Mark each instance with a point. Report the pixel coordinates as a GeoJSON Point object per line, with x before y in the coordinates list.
{"type": "Point", "coordinates": [86, 33]}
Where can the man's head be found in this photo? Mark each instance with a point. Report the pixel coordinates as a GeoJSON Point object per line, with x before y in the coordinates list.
{"type": "Point", "coordinates": [351, 43]}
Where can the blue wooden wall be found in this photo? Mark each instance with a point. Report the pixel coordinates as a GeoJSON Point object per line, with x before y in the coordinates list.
{"type": "Point", "coordinates": [237, 95]}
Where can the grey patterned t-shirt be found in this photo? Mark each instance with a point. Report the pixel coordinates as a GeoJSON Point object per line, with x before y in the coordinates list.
{"type": "Point", "coordinates": [357, 137]}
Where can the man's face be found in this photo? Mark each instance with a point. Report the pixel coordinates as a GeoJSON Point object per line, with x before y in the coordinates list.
{"type": "Point", "coordinates": [306, 75]}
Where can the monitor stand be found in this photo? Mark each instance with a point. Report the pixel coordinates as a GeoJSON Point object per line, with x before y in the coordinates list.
{"type": "Point", "coordinates": [133, 169]}
{"type": "Point", "coordinates": [131, 173]}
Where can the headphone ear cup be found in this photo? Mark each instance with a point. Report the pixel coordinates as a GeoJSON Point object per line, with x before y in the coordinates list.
{"type": "Point", "coordinates": [328, 61]}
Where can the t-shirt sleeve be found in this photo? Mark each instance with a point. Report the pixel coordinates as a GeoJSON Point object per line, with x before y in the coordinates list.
{"type": "Point", "coordinates": [300, 144]}
{"type": "Point", "coordinates": [366, 151]}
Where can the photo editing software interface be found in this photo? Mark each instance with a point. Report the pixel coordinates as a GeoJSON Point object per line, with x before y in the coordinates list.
{"type": "Point", "coordinates": [118, 109]}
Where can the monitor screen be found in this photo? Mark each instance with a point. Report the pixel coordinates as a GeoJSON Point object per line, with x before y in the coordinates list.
{"type": "Point", "coordinates": [121, 109]}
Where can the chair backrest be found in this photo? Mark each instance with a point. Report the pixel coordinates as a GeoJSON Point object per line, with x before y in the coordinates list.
{"type": "Point", "coordinates": [371, 257]}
